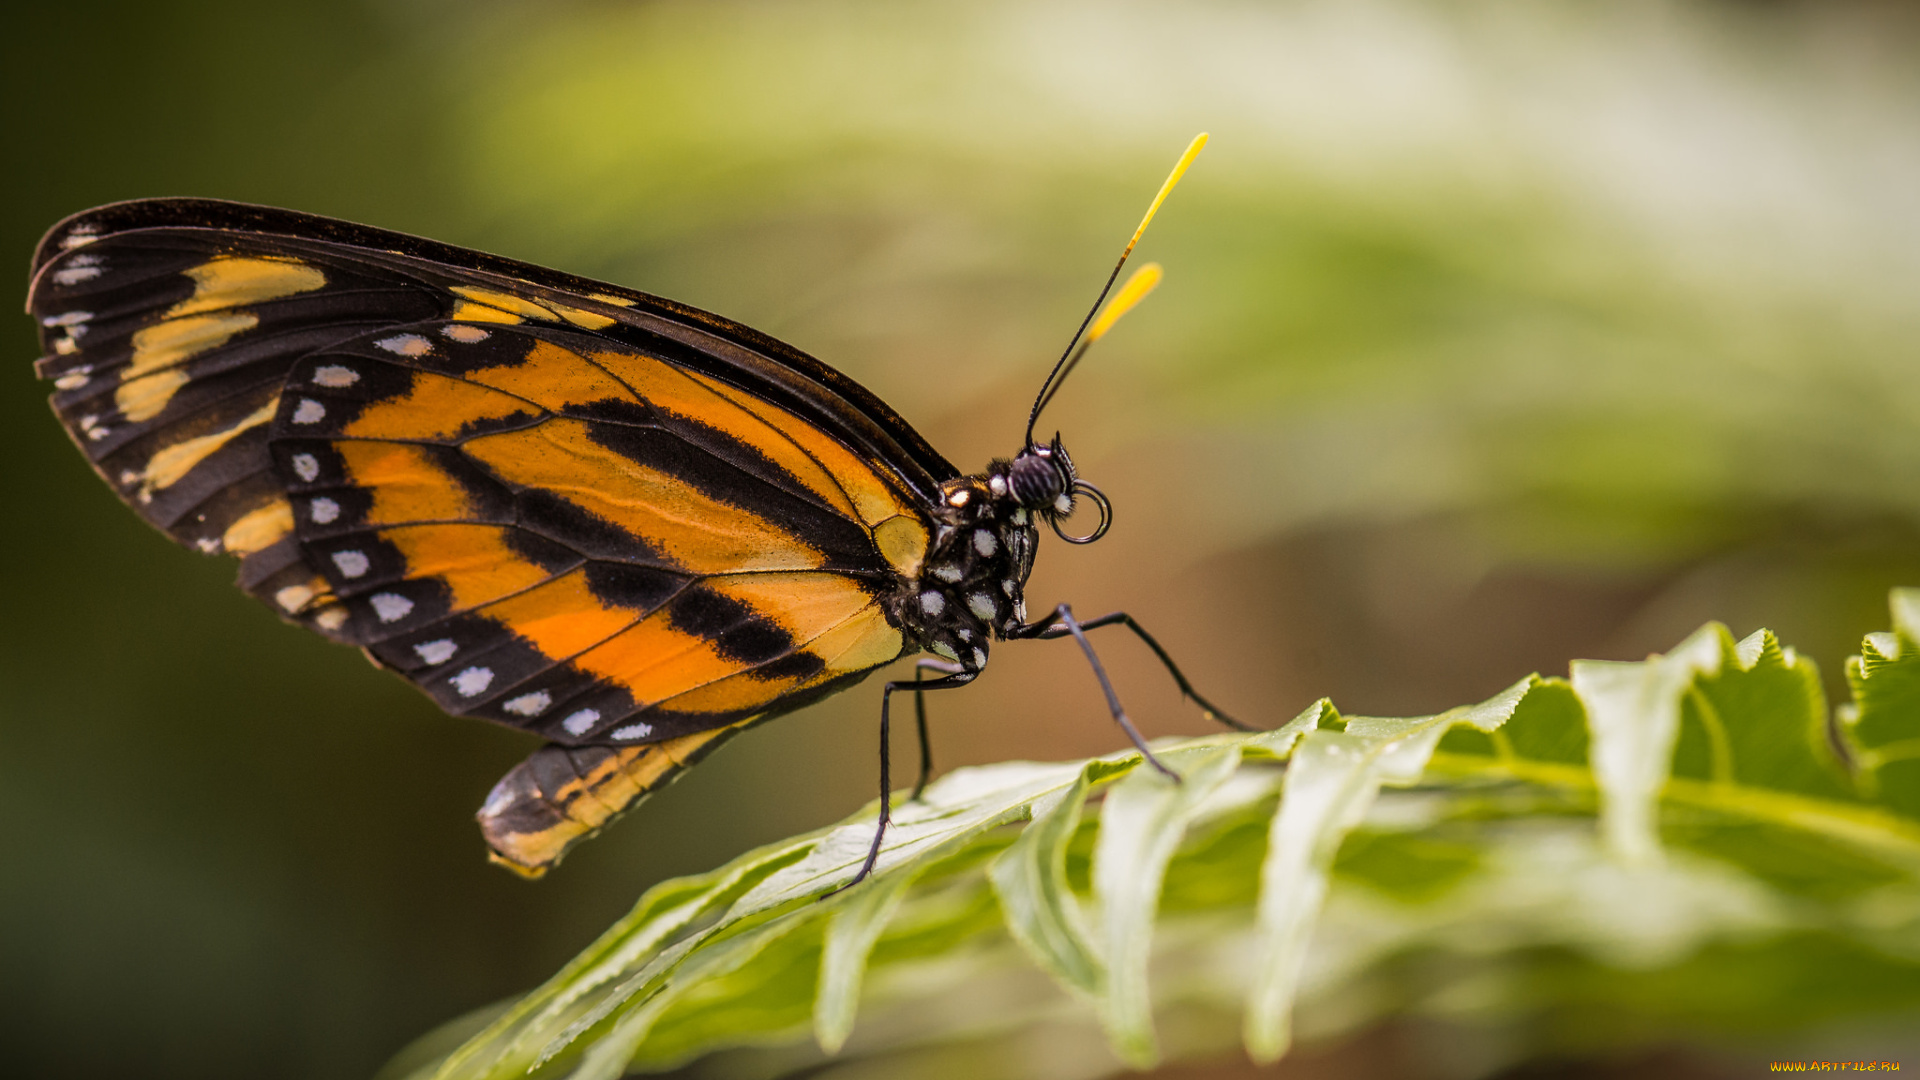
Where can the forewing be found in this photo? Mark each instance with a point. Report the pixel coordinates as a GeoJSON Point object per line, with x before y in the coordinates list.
{"type": "Point", "coordinates": [167, 351]}
{"type": "Point", "coordinates": [558, 504]}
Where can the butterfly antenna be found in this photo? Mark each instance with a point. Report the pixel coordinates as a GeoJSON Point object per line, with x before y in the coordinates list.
{"type": "Point", "coordinates": [1136, 288]}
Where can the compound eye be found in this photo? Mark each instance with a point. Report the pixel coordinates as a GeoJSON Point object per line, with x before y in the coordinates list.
{"type": "Point", "coordinates": [1034, 481]}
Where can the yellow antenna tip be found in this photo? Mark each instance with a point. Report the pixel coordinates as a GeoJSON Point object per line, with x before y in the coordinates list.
{"type": "Point", "coordinates": [1134, 291]}
{"type": "Point", "coordinates": [1198, 144]}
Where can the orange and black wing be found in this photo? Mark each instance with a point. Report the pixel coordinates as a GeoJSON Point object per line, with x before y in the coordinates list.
{"type": "Point", "coordinates": [625, 525]}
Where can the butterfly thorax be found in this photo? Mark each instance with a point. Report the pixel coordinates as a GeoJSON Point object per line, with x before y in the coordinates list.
{"type": "Point", "coordinates": [972, 582]}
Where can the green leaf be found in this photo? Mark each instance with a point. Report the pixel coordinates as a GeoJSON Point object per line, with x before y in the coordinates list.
{"type": "Point", "coordinates": [1030, 880]}
{"type": "Point", "coordinates": [843, 964]}
{"type": "Point", "coordinates": [1633, 712]}
{"type": "Point", "coordinates": [1143, 821]}
{"type": "Point", "coordinates": [1884, 728]}
{"type": "Point", "coordinates": [1647, 843]}
{"type": "Point", "coordinates": [1331, 782]}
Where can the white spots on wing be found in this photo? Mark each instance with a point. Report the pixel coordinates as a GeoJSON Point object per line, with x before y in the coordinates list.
{"type": "Point", "coordinates": [306, 467]}
{"type": "Point", "coordinates": [963, 633]}
{"type": "Point", "coordinates": [984, 543]}
{"type": "Point", "coordinates": [943, 649]}
{"type": "Point", "coordinates": [959, 498]}
{"type": "Point", "coordinates": [351, 563]}
{"type": "Point", "coordinates": [65, 346]}
{"type": "Point", "coordinates": [581, 722]}
{"type": "Point", "coordinates": [1009, 586]}
{"type": "Point", "coordinates": [75, 379]}
{"type": "Point", "coordinates": [406, 345]}
{"type": "Point", "coordinates": [471, 335]}
{"type": "Point", "coordinates": [309, 411]}
{"type": "Point", "coordinates": [998, 483]}
{"type": "Point", "coordinates": [335, 375]}
{"type": "Point", "coordinates": [981, 605]}
{"type": "Point", "coordinates": [932, 603]}
{"type": "Point", "coordinates": [210, 545]}
{"type": "Point", "coordinates": [391, 607]}
{"type": "Point", "coordinates": [979, 657]}
{"type": "Point", "coordinates": [90, 424]}
{"type": "Point", "coordinates": [72, 320]}
{"type": "Point", "coordinates": [529, 704]}
{"type": "Point", "coordinates": [80, 237]}
{"type": "Point", "coordinates": [1064, 502]}
{"type": "Point", "coordinates": [948, 573]}
{"type": "Point", "coordinates": [323, 511]}
{"type": "Point", "coordinates": [436, 652]}
{"type": "Point", "coordinates": [293, 597]}
{"type": "Point", "coordinates": [74, 275]}
{"type": "Point", "coordinates": [332, 618]}
{"type": "Point", "coordinates": [1019, 517]}
{"type": "Point", "coordinates": [633, 731]}
{"type": "Point", "coordinates": [472, 681]}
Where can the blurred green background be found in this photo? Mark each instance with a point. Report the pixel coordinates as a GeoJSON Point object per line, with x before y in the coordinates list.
{"type": "Point", "coordinates": [1492, 336]}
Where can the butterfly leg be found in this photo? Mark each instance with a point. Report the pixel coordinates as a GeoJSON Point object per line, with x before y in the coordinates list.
{"type": "Point", "coordinates": [1053, 628]}
{"type": "Point", "coordinates": [945, 682]}
{"type": "Point", "coordinates": [944, 667]}
{"type": "Point", "coordinates": [1062, 623]}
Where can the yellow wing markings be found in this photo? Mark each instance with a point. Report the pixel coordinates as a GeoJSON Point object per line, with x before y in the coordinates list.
{"type": "Point", "coordinates": [694, 530]}
{"type": "Point", "coordinates": [232, 281]}
{"type": "Point", "coordinates": [170, 463]}
{"type": "Point", "coordinates": [903, 543]}
{"type": "Point", "coordinates": [491, 305]}
{"type": "Point", "coordinates": [204, 321]}
{"type": "Point", "coordinates": [467, 311]}
{"type": "Point", "coordinates": [259, 528]}
{"type": "Point", "coordinates": [153, 375]}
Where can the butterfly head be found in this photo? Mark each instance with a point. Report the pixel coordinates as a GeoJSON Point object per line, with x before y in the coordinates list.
{"type": "Point", "coordinates": [1042, 480]}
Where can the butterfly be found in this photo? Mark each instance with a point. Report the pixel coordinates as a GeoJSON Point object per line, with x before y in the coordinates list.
{"type": "Point", "coordinates": [626, 525]}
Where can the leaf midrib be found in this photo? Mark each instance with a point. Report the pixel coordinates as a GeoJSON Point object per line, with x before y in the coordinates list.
{"type": "Point", "coordinates": [1861, 826]}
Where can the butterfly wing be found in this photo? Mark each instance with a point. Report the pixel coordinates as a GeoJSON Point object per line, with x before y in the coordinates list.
{"type": "Point", "coordinates": [549, 502]}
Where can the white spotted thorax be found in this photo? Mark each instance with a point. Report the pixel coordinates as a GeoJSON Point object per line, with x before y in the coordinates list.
{"type": "Point", "coordinates": [972, 583]}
